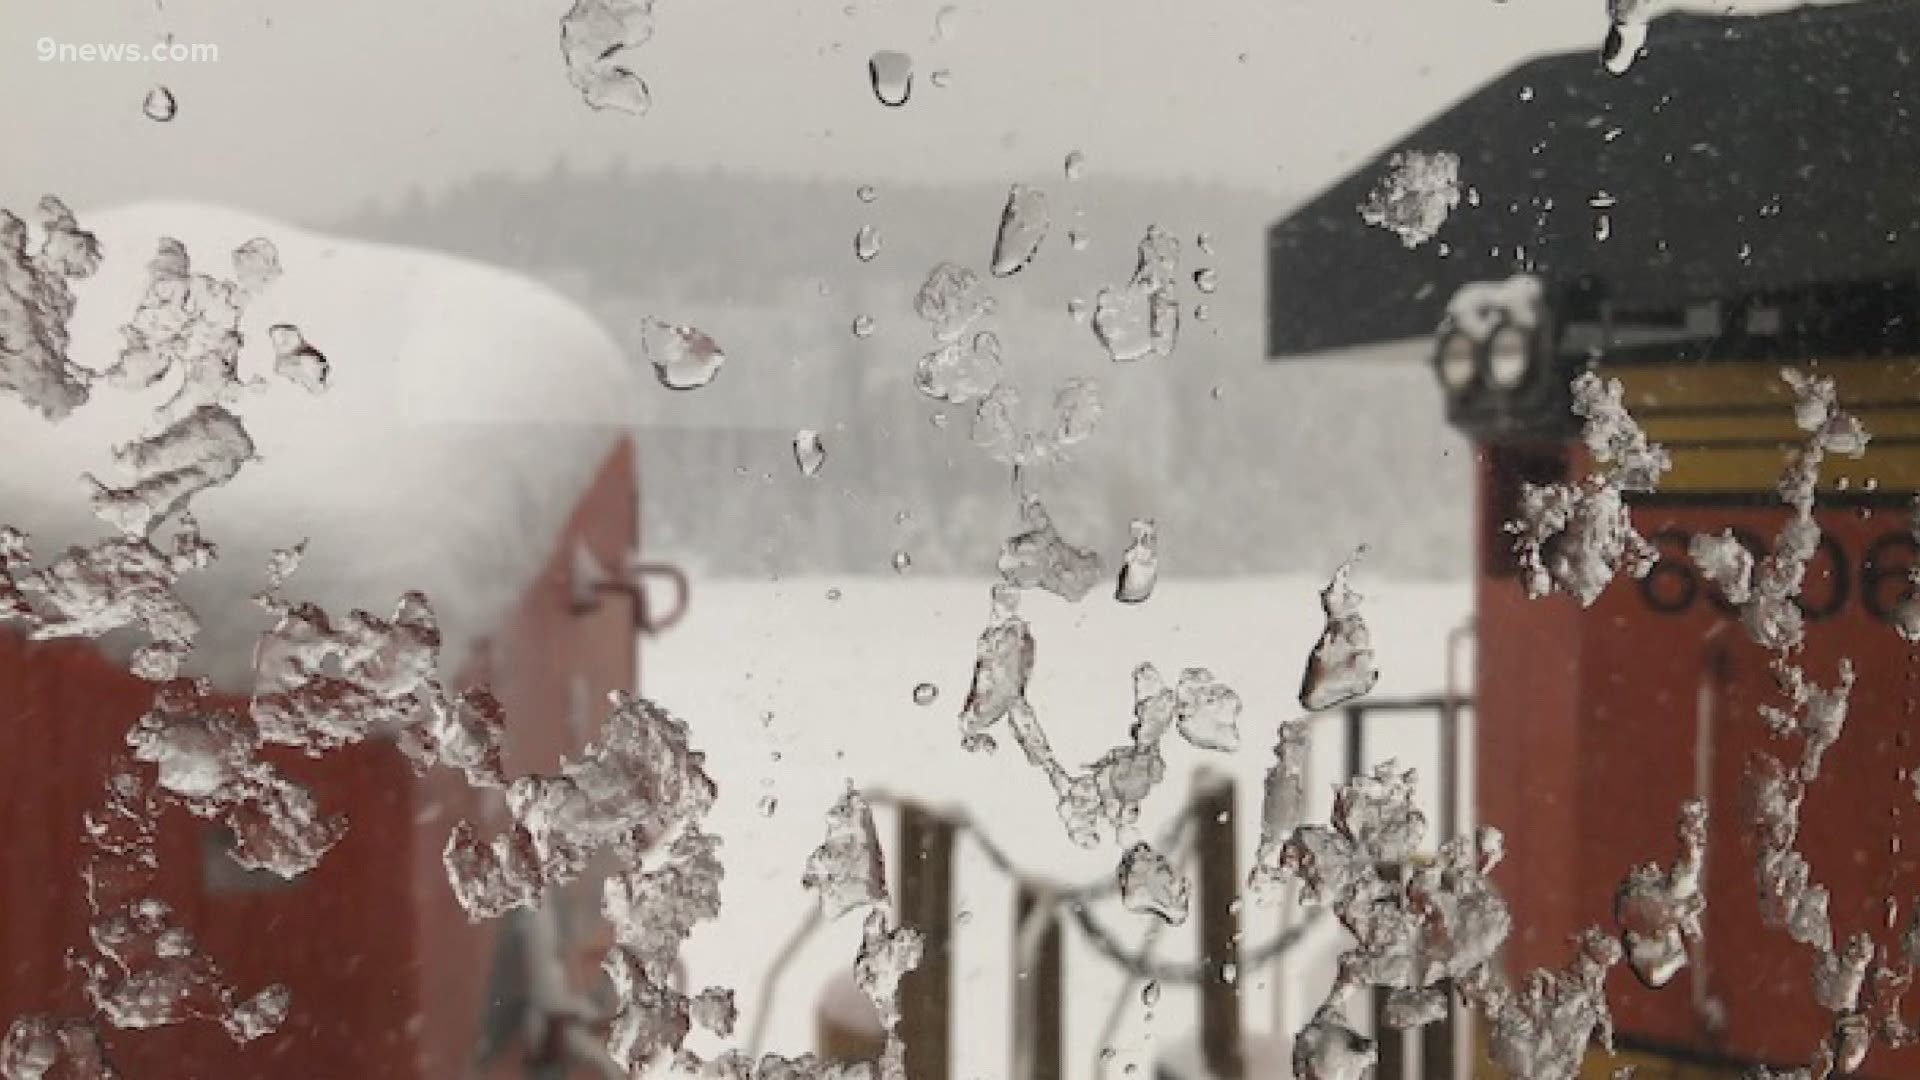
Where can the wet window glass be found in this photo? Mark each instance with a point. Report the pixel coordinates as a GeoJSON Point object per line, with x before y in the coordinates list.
{"type": "Point", "coordinates": [911, 540]}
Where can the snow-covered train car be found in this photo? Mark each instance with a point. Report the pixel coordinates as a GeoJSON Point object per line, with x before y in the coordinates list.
{"type": "Point", "coordinates": [470, 444]}
{"type": "Point", "coordinates": [1738, 202]}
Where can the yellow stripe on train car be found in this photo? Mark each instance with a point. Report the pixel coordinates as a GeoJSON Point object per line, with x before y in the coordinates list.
{"type": "Point", "coordinates": [1600, 1065]}
{"type": "Point", "coordinates": [1652, 389]}
{"type": "Point", "coordinates": [1887, 469]}
{"type": "Point", "coordinates": [1729, 424]}
{"type": "Point", "coordinates": [1883, 422]}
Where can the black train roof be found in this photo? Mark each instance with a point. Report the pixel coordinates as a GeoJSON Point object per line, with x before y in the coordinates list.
{"type": "Point", "coordinates": [1742, 154]}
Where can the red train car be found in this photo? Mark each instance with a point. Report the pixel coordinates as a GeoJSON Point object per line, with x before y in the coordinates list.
{"type": "Point", "coordinates": [469, 444]}
{"type": "Point", "coordinates": [1738, 202]}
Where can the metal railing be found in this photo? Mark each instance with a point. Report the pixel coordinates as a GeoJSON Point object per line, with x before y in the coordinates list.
{"type": "Point", "coordinates": [1202, 836]}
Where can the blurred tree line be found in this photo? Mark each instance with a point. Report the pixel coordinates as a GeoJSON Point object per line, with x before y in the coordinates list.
{"type": "Point", "coordinates": [1248, 466]}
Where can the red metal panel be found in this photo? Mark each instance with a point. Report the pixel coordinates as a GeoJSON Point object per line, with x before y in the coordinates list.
{"type": "Point", "coordinates": [1589, 726]}
{"type": "Point", "coordinates": [1526, 688]}
{"type": "Point", "coordinates": [388, 975]}
{"type": "Point", "coordinates": [534, 661]}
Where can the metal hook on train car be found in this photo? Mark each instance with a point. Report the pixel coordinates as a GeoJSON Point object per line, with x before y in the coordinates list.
{"type": "Point", "coordinates": [589, 578]}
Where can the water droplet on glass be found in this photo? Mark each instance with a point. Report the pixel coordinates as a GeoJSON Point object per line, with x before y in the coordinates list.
{"type": "Point", "coordinates": [682, 357]}
{"type": "Point", "coordinates": [945, 22]}
{"type": "Point", "coordinates": [1602, 228]}
{"type": "Point", "coordinates": [1626, 36]}
{"type": "Point", "coordinates": [866, 243]}
{"type": "Point", "coordinates": [942, 78]}
{"type": "Point", "coordinates": [297, 361]}
{"type": "Point", "coordinates": [1076, 165]}
{"type": "Point", "coordinates": [925, 693]}
{"type": "Point", "coordinates": [1201, 313]}
{"type": "Point", "coordinates": [1526, 93]}
{"type": "Point", "coordinates": [766, 718]}
{"type": "Point", "coordinates": [833, 593]}
{"type": "Point", "coordinates": [1150, 886]}
{"type": "Point", "coordinates": [1150, 993]}
{"type": "Point", "coordinates": [1205, 279]}
{"type": "Point", "coordinates": [865, 193]}
{"type": "Point", "coordinates": [768, 804]}
{"type": "Point", "coordinates": [1077, 239]}
{"type": "Point", "coordinates": [1139, 567]}
{"type": "Point", "coordinates": [1077, 309]}
{"type": "Point", "coordinates": [902, 562]}
{"type": "Point", "coordinates": [1204, 242]}
{"type": "Point", "coordinates": [808, 452]}
{"type": "Point", "coordinates": [159, 104]}
{"type": "Point", "coordinates": [863, 326]}
{"type": "Point", "coordinates": [891, 74]}
{"type": "Point", "coordinates": [1023, 224]}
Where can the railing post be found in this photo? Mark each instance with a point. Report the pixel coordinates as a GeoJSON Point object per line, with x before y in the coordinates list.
{"type": "Point", "coordinates": [1391, 1043]}
{"type": "Point", "coordinates": [1037, 972]}
{"type": "Point", "coordinates": [926, 904]}
{"type": "Point", "coordinates": [1220, 1042]}
{"type": "Point", "coordinates": [1437, 1039]}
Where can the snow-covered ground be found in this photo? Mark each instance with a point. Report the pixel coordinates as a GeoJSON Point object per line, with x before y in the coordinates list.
{"type": "Point", "coordinates": [795, 688]}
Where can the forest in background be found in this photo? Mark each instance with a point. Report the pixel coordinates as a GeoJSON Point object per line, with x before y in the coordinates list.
{"type": "Point", "coordinates": [1247, 465]}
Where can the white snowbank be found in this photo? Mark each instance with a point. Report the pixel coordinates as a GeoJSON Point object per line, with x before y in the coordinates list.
{"type": "Point", "coordinates": [468, 409]}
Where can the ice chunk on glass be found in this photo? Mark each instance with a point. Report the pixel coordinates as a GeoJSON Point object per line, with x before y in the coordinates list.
{"type": "Point", "coordinates": [1142, 318]}
{"type": "Point", "coordinates": [1024, 222]}
{"type": "Point", "coordinates": [43, 1048]}
{"type": "Point", "coordinates": [37, 304]}
{"type": "Point", "coordinates": [951, 300]}
{"type": "Point", "coordinates": [1208, 711]}
{"type": "Point", "coordinates": [1578, 536]}
{"type": "Point", "coordinates": [297, 361]}
{"type": "Point", "coordinates": [1415, 196]}
{"type": "Point", "coordinates": [1660, 912]}
{"type": "Point", "coordinates": [961, 371]}
{"type": "Point", "coordinates": [1039, 557]}
{"type": "Point", "coordinates": [1341, 666]}
{"type": "Point", "coordinates": [846, 869]}
{"type": "Point", "coordinates": [1150, 886]}
{"type": "Point", "coordinates": [597, 38]}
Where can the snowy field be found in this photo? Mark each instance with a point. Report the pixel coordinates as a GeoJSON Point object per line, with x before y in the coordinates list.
{"type": "Point", "coordinates": [796, 688]}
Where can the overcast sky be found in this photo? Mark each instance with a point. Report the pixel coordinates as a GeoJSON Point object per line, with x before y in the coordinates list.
{"type": "Point", "coordinates": [313, 108]}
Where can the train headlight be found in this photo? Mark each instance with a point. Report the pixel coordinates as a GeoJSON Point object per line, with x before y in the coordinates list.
{"type": "Point", "coordinates": [1509, 357]}
{"type": "Point", "coordinates": [1456, 361]}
